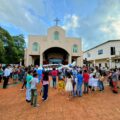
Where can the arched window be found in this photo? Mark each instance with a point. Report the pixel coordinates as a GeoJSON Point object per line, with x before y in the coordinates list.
{"type": "Point", "coordinates": [35, 46]}
{"type": "Point", "coordinates": [56, 35]}
{"type": "Point", "coordinates": [75, 48]}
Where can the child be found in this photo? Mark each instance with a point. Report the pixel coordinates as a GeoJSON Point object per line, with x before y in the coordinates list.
{"type": "Point", "coordinates": [79, 83]}
{"type": "Point", "coordinates": [61, 85]}
{"type": "Point", "coordinates": [34, 82]}
{"type": "Point", "coordinates": [90, 80]}
{"type": "Point", "coordinates": [54, 77]}
{"type": "Point", "coordinates": [15, 75]}
{"type": "Point", "coordinates": [74, 81]}
{"type": "Point", "coordinates": [115, 81]}
{"type": "Point", "coordinates": [1, 73]}
{"type": "Point", "coordinates": [94, 82]}
{"type": "Point", "coordinates": [86, 81]}
{"type": "Point", "coordinates": [24, 79]}
{"type": "Point", "coordinates": [101, 85]}
{"type": "Point", "coordinates": [28, 86]}
{"type": "Point", "coordinates": [45, 82]}
{"type": "Point", "coordinates": [69, 86]}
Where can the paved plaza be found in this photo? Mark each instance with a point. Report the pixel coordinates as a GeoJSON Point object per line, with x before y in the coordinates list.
{"type": "Point", "coordinates": [95, 106]}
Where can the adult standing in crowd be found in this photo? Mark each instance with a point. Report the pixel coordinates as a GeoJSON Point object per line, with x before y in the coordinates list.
{"type": "Point", "coordinates": [6, 76]}
{"type": "Point", "coordinates": [45, 82]}
{"type": "Point", "coordinates": [24, 79]}
{"type": "Point", "coordinates": [86, 80]}
{"type": "Point", "coordinates": [74, 81]}
{"type": "Point", "coordinates": [39, 72]}
{"type": "Point", "coordinates": [79, 83]}
{"type": "Point", "coordinates": [101, 80]}
{"type": "Point", "coordinates": [54, 74]}
{"type": "Point", "coordinates": [114, 81]}
{"type": "Point", "coordinates": [28, 86]}
{"type": "Point", "coordinates": [1, 73]}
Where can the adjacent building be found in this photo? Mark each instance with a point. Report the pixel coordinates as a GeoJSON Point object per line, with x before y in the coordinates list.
{"type": "Point", "coordinates": [54, 48]}
{"type": "Point", "coordinates": [106, 54]}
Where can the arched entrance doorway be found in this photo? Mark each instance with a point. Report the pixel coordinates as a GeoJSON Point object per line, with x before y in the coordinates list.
{"type": "Point", "coordinates": [55, 55]}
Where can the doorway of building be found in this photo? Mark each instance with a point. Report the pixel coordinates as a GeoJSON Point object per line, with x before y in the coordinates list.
{"type": "Point", "coordinates": [37, 61]}
{"type": "Point", "coordinates": [55, 55]}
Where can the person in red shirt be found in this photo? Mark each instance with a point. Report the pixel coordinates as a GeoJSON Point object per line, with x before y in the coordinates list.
{"type": "Point", "coordinates": [86, 80]}
{"type": "Point", "coordinates": [54, 74]}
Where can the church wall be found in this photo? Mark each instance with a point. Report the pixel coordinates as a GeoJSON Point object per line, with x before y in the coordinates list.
{"type": "Point", "coordinates": [46, 42]}
{"type": "Point", "coordinates": [51, 33]}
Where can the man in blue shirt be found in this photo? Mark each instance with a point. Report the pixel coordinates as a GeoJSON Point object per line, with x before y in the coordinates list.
{"type": "Point", "coordinates": [79, 83]}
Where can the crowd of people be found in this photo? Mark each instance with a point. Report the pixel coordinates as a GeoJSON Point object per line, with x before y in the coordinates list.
{"type": "Point", "coordinates": [73, 80]}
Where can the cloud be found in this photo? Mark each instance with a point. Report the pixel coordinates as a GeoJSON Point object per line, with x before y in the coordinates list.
{"type": "Point", "coordinates": [71, 21]}
{"type": "Point", "coordinates": [93, 21]}
{"type": "Point", "coordinates": [17, 13]}
{"type": "Point", "coordinates": [111, 26]}
{"type": "Point", "coordinates": [71, 24]}
{"type": "Point", "coordinates": [102, 25]}
{"type": "Point", "coordinates": [105, 29]}
{"type": "Point", "coordinates": [116, 27]}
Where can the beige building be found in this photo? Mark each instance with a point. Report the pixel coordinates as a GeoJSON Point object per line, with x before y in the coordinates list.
{"type": "Point", "coordinates": [54, 48]}
{"type": "Point", "coordinates": [106, 54]}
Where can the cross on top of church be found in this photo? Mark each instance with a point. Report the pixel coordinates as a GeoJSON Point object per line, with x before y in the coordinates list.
{"type": "Point", "coordinates": [56, 21]}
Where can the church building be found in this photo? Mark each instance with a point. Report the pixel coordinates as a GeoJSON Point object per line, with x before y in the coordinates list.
{"type": "Point", "coordinates": [54, 48]}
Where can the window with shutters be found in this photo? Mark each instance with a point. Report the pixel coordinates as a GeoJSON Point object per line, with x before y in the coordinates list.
{"type": "Point", "coordinates": [112, 50]}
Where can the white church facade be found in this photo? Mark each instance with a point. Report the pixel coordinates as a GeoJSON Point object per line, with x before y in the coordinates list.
{"type": "Point", "coordinates": [54, 48]}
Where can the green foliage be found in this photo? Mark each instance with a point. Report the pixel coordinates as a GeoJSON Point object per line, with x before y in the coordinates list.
{"type": "Point", "coordinates": [2, 51]}
{"type": "Point", "coordinates": [11, 47]}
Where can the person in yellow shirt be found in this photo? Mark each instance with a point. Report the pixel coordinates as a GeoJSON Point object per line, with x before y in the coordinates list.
{"type": "Point", "coordinates": [61, 83]}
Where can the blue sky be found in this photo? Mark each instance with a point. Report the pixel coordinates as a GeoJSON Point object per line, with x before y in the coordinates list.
{"type": "Point", "coordinates": [94, 21]}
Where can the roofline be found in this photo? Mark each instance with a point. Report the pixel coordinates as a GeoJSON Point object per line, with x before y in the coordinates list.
{"type": "Point", "coordinates": [101, 44]}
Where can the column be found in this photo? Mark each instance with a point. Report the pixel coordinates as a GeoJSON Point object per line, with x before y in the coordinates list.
{"type": "Point", "coordinates": [33, 61]}
{"type": "Point", "coordinates": [78, 61]}
{"type": "Point", "coordinates": [41, 59]}
{"type": "Point", "coordinates": [26, 58]}
{"type": "Point", "coordinates": [29, 60]}
{"type": "Point", "coordinates": [81, 60]}
{"type": "Point", "coordinates": [70, 59]}
{"type": "Point", "coordinates": [110, 62]}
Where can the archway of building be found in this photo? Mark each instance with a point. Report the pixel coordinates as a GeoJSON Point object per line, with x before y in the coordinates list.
{"type": "Point", "coordinates": [55, 55]}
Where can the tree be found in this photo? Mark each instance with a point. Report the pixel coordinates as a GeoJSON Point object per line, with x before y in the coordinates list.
{"type": "Point", "coordinates": [19, 46]}
{"type": "Point", "coordinates": [2, 52]}
{"type": "Point", "coordinates": [11, 47]}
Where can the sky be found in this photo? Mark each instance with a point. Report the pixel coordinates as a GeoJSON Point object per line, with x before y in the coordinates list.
{"type": "Point", "coordinates": [93, 21]}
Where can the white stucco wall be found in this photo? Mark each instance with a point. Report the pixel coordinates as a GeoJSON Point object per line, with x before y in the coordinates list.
{"type": "Point", "coordinates": [104, 58]}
